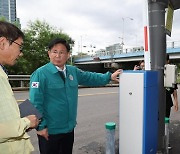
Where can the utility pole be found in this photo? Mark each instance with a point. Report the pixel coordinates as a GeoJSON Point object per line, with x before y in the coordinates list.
{"type": "Point", "coordinates": [157, 36]}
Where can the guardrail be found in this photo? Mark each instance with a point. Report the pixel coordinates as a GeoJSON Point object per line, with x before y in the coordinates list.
{"type": "Point", "coordinates": [23, 78]}
{"type": "Point", "coordinates": [20, 78]}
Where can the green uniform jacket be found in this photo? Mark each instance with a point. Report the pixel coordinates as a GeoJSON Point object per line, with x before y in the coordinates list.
{"type": "Point", "coordinates": [57, 100]}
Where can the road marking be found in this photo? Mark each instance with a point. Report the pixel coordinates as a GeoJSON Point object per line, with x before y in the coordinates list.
{"type": "Point", "coordinates": [21, 100]}
{"type": "Point", "coordinates": [97, 94]}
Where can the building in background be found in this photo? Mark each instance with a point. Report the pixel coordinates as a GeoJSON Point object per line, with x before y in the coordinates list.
{"type": "Point", "coordinates": [114, 49]}
{"type": "Point", "coordinates": [8, 10]}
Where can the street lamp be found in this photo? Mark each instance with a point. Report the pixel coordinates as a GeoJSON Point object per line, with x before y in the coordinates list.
{"type": "Point", "coordinates": [123, 19]}
{"type": "Point", "coordinates": [81, 45]}
{"type": "Point", "coordinates": [82, 42]}
{"type": "Point", "coordinates": [122, 43]}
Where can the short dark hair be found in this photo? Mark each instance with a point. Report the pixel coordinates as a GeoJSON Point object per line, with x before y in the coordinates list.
{"type": "Point", "coordinates": [57, 41]}
{"type": "Point", "coordinates": [167, 57]}
{"type": "Point", "coordinates": [10, 31]}
{"type": "Point", "coordinates": [142, 61]}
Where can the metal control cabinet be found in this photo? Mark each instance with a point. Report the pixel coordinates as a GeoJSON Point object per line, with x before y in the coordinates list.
{"type": "Point", "coordinates": [138, 112]}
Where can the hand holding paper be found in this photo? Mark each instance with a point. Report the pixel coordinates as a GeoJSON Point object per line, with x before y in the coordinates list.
{"type": "Point", "coordinates": [34, 121]}
{"type": "Point", "coordinates": [26, 109]}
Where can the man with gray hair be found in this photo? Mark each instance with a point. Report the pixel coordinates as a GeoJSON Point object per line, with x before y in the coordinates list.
{"type": "Point", "coordinates": [54, 92]}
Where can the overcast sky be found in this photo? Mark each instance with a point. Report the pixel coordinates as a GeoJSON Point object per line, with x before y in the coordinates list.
{"type": "Point", "coordinates": [92, 22]}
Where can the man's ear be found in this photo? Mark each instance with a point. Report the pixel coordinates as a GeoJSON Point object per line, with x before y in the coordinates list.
{"type": "Point", "coordinates": [69, 54]}
{"type": "Point", "coordinates": [1, 43]}
{"type": "Point", "coordinates": [48, 52]}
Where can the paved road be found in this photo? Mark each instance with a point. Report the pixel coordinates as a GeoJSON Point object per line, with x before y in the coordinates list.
{"type": "Point", "coordinates": [96, 107]}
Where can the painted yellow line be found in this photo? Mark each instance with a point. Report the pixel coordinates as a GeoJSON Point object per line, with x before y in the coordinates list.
{"type": "Point", "coordinates": [98, 94]}
{"type": "Point", "coordinates": [21, 100]}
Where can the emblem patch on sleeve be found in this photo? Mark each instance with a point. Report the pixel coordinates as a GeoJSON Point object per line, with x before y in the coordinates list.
{"type": "Point", "coordinates": [35, 85]}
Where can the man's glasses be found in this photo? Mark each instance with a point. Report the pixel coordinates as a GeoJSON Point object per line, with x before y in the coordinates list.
{"type": "Point", "coordinates": [59, 52]}
{"type": "Point", "coordinates": [20, 45]}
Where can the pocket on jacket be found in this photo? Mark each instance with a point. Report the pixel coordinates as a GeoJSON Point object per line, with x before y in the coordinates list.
{"type": "Point", "coordinates": [73, 84]}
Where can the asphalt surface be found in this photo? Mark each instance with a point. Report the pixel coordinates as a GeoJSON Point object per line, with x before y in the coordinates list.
{"type": "Point", "coordinates": [96, 107]}
{"type": "Point", "coordinates": [175, 132]}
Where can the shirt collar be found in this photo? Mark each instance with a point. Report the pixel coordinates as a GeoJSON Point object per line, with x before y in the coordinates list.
{"type": "Point", "coordinates": [59, 69]}
{"type": "Point", "coordinates": [64, 70]}
{"type": "Point", "coordinates": [5, 70]}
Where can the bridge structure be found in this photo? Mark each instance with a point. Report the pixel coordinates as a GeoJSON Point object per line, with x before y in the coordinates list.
{"type": "Point", "coordinates": [125, 60]}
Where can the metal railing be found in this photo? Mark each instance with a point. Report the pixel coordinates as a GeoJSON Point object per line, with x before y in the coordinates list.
{"type": "Point", "coordinates": [20, 78]}
{"type": "Point", "coordinates": [23, 78]}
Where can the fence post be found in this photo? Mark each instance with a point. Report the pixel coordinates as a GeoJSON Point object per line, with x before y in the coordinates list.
{"type": "Point", "coordinates": [110, 137]}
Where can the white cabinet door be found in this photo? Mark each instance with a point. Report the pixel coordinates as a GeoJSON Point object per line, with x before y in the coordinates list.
{"type": "Point", "coordinates": [131, 91]}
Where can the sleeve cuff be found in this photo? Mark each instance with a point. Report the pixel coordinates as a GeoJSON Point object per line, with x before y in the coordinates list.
{"type": "Point", "coordinates": [109, 75]}
{"type": "Point", "coordinates": [42, 125]}
{"type": "Point", "coordinates": [27, 122]}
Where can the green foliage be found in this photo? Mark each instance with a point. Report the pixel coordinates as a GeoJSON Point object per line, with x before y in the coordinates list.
{"type": "Point", "coordinates": [37, 37]}
{"type": "Point", "coordinates": [16, 23]}
{"type": "Point", "coordinates": [2, 18]}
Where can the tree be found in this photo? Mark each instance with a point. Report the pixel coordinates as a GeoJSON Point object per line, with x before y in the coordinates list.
{"type": "Point", "coordinates": [2, 18]}
{"type": "Point", "coordinates": [37, 37]}
{"type": "Point", "coordinates": [16, 23]}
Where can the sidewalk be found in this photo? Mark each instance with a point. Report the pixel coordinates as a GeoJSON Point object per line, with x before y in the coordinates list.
{"type": "Point", "coordinates": [175, 132]}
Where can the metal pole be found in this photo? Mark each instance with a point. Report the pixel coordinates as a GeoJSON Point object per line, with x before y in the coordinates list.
{"type": "Point", "coordinates": [22, 83]}
{"type": "Point", "coordinates": [123, 19]}
{"type": "Point", "coordinates": [71, 59]}
{"type": "Point", "coordinates": [110, 137]}
{"type": "Point", "coordinates": [81, 45]}
{"type": "Point", "coordinates": [157, 38]}
{"type": "Point", "coordinates": [123, 32]}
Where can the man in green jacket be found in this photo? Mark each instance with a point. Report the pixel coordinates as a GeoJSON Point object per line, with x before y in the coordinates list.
{"type": "Point", "coordinates": [54, 92]}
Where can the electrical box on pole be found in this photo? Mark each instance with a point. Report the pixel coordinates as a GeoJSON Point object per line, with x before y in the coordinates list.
{"type": "Point", "coordinates": [170, 75]}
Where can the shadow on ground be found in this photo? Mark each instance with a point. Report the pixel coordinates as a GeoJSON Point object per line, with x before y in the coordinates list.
{"type": "Point", "coordinates": [97, 148]}
{"type": "Point", "coordinates": [174, 137]}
